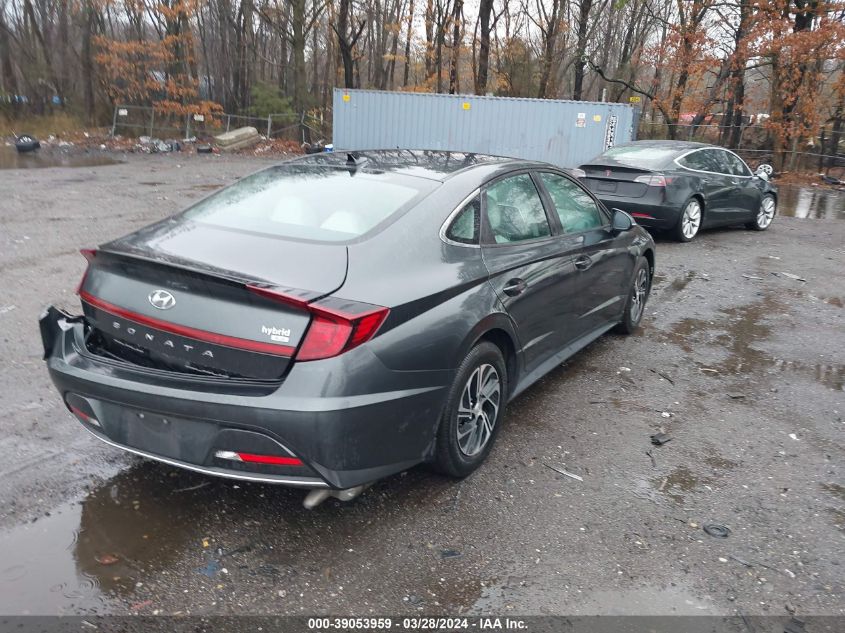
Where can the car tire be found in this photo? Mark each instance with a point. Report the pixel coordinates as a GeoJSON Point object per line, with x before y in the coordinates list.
{"type": "Point", "coordinates": [689, 222]}
{"type": "Point", "coordinates": [765, 214]}
{"type": "Point", "coordinates": [466, 434]}
{"type": "Point", "coordinates": [637, 298]}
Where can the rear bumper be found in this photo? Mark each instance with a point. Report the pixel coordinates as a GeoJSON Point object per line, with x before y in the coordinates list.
{"type": "Point", "coordinates": [328, 414]}
{"type": "Point", "coordinates": [647, 213]}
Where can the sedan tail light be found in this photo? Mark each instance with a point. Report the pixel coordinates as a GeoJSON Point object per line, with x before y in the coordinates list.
{"type": "Point", "coordinates": [653, 180]}
{"type": "Point", "coordinates": [336, 325]}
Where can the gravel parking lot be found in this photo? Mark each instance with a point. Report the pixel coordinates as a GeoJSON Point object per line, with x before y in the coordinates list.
{"type": "Point", "coordinates": [740, 360]}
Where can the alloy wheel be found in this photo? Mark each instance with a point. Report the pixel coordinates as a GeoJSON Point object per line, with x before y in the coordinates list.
{"type": "Point", "coordinates": [639, 296]}
{"type": "Point", "coordinates": [691, 219]}
{"type": "Point", "coordinates": [766, 213]}
{"type": "Point", "coordinates": [478, 409]}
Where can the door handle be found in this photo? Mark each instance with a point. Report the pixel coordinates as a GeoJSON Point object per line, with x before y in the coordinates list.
{"type": "Point", "coordinates": [583, 262]}
{"type": "Point", "coordinates": [514, 287]}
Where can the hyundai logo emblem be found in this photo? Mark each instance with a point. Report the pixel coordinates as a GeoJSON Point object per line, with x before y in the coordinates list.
{"type": "Point", "coordinates": [162, 299]}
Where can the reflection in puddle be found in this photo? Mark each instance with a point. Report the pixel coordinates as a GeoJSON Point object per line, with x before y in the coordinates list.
{"type": "Point", "coordinates": [807, 202]}
{"type": "Point", "coordinates": [11, 159]}
{"type": "Point", "coordinates": [70, 561]}
{"type": "Point", "coordinates": [741, 329]}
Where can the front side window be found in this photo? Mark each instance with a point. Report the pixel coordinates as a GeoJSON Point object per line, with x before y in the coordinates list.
{"type": "Point", "coordinates": [515, 211]}
{"type": "Point", "coordinates": [575, 208]}
{"type": "Point", "coordinates": [313, 203]}
{"type": "Point", "coordinates": [465, 227]}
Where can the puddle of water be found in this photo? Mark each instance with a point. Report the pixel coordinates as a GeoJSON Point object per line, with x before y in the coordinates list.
{"type": "Point", "coordinates": [679, 482]}
{"type": "Point", "coordinates": [811, 202]}
{"type": "Point", "coordinates": [87, 553]}
{"type": "Point", "coordinates": [11, 159]}
{"type": "Point", "coordinates": [741, 329]}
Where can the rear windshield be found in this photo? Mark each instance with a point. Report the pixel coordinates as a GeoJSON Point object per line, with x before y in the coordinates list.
{"type": "Point", "coordinates": [641, 155]}
{"type": "Point", "coordinates": [312, 203]}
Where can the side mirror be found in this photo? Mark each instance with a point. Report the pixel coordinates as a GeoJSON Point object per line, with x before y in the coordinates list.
{"type": "Point", "coordinates": [764, 172]}
{"type": "Point", "coordinates": [621, 221]}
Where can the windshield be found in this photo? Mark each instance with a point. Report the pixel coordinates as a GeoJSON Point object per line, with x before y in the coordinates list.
{"type": "Point", "coordinates": [314, 203]}
{"type": "Point", "coordinates": [641, 155]}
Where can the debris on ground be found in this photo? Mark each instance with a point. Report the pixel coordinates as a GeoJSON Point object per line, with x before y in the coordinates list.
{"type": "Point", "coordinates": [653, 461]}
{"type": "Point", "coordinates": [794, 626]}
{"type": "Point", "coordinates": [107, 559]}
{"type": "Point", "coordinates": [708, 370]}
{"type": "Point", "coordinates": [450, 553]}
{"type": "Point", "coordinates": [791, 276]}
{"type": "Point", "coordinates": [659, 439]}
{"type": "Point", "coordinates": [564, 472]}
{"type": "Point", "coordinates": [736, 396]}
{"type": "Point", "coordinates": [211, 568]}
{"type": "Point", "coordinates": [740, 560]}
{"type": "Point", "coordinates": [717, 530]}
{"type": "Point", "coordinates": [792, 436]}
{"type": "Point", "coordinates": [240, 138]}
{"type": "Point", "coordinates": [663, 375]}
{"type": "Point", "coordinates": [9, 308]}
{"type": "Point", "coordinates": [753, 277]}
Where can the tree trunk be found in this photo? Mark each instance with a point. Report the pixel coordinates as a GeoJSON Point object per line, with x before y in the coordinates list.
{"type": "Point", "coordinates": [485, 13]}
{"type": "Point", "coordinates": [581, 49]}
{"type": "Point", "coordinates": [457, 25]}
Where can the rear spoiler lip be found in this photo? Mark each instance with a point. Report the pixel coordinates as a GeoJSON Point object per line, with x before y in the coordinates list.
{"type": "Point", "coordinates": [306, 296]}
{"type": "Point", "coordinates": [618, 167]}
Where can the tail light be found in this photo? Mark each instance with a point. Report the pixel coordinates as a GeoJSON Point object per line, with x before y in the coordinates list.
{"type": "Point", "coordinates": [653, 180]}
{"type": "Point", "coordinates": [336, 326]}
{"type": "Point", "coordinates": [89, 254]}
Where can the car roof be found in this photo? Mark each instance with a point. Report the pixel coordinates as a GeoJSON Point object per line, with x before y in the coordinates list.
{"type": "Point", "coordinates": [681, 146]}
{"type": "Point", "coordinates": [437, 165]}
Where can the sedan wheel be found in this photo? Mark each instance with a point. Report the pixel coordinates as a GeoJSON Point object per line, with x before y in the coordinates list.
{"type": "Point", "coordinates": [473, 413]}
{"type": "Point", "coordinates": [478, 410]}
{"type": "Point", "coordinates": [690, 221]}
{"type": "Point", "coordinates": [765, 214]}
{"type": "Point", "coordinates": [640, 290]}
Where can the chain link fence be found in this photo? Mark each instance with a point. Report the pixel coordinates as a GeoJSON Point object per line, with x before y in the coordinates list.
{"type": "Point", "coordinates": [132, 120]}
{"type": "Point", "coordinates": [752, 142]}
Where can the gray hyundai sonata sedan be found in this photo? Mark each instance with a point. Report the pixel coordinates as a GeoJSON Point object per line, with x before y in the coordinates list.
{"type": "Point", "coordinates": [334, 319]}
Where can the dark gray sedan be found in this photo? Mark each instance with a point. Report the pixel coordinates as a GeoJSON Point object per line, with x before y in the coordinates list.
{"type": "Point", "coordinates": [682, 187]}
{"type": "Point", "coordinates": [338, 318]}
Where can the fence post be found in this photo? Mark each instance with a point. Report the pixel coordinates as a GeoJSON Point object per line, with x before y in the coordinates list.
{"type": "Point", "coordinates": [188, 127]}
{"type": "Point", "coordinates": [821, 152]}
{"type": "Point", "coordinates": [152, 120]}
{"type": "Point", "coordinates": [114, 122]}
{"type": "Point", "coordinates": [269, 123]}
{"type": "Point", "coordinates": [228, 121]}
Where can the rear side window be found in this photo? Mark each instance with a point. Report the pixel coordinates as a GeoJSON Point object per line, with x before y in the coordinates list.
{"type": "Point", "coordinates": [465, 227]}
{"type": "Point", "coordinates": [734, 164]}
{"type": "Point", "coordinates": [575, 208]}
{"type": "Point", "coordinates": [515, 211]}
{"type": "Point", "coordinates": [702, 160]}
{"type": "Point", "coordinates": [313, 203]}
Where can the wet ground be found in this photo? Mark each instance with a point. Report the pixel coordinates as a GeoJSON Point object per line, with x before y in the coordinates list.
{"type": "Point", "coordinates": [739, 361]}
{"type": "Point", "coordinates": [10, 158]}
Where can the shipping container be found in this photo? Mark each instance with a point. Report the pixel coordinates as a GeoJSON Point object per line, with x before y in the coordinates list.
{"type": "Point", "coordinates": [564, 133]}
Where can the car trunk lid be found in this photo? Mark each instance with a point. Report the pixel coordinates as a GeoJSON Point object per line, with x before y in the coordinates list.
{"type": "Point", "coordinates": [157, 300]}
{"type": "Point", "coordinates": [613, 178]}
